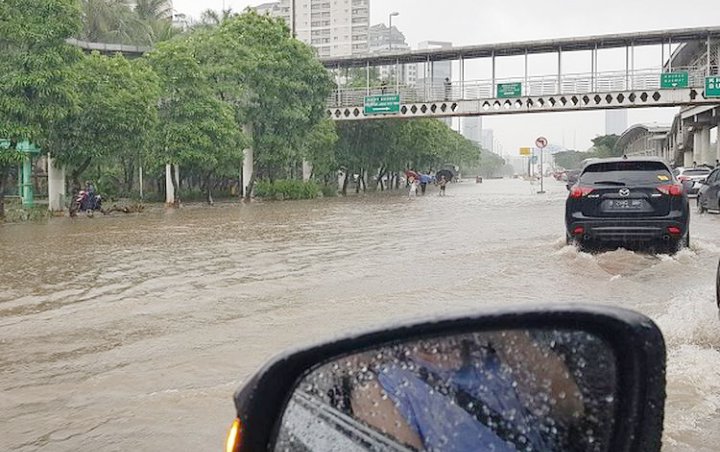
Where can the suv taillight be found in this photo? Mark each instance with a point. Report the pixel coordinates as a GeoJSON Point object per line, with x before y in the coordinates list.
{"type": "Point", "coordinates": [578, 192]}
{"type": "Point", "coordinates": [671, 190]}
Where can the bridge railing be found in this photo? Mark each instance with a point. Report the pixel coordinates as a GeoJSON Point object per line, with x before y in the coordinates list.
{"type": "Point", "coordinates": [549, 85]}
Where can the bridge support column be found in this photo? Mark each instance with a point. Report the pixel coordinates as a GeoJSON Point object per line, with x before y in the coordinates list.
{"type": "Point", "coordinates": [702, 146]}
{"type": "Point", "coordinates": [688, 159]}
{"type": "Point", "coordinates": [56, 186]}
{"type": "Point", "coordinates": [717, 144]}
{"type": "Point", "coordinates": [307, 169]}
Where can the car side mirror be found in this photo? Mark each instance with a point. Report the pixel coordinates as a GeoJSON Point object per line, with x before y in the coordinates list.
{"type": "Point", "coordinates": [569, 378]}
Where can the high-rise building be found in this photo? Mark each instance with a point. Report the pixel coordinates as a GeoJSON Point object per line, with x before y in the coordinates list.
{"type": "Point", "coordinates": [488, 140]}
{"type": "Point", "coordinates": [432, 77]}
{"type": "Point", "coordinates": [472, 129]}
{"type": "Point", "coordinates": [334, 28]}
{"type": "Point", "coordinates": [616, 122]}
{"type": "Point", "coordinates": [383, 40]}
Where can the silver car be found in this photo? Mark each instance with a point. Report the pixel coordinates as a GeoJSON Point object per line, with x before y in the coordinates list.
{"type": "Point", "coordinates": [691, 178]}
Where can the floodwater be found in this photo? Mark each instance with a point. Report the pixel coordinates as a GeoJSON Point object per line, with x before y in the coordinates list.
{"type": "Point", "coordinates": [132, 332]}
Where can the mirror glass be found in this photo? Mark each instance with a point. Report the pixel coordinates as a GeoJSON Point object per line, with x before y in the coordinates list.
{"type": "Point", "coordinates": [512, 390]}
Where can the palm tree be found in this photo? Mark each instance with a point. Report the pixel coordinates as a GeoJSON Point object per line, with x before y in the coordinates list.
{"type": "Point", "coordinates": [157, 16]}
{"type": "Point", "coordinates": [110, 21]}
{"type": "Point", "coordinates": [212, 18]}
{"type": "Point", "coordinates": [153, 10]}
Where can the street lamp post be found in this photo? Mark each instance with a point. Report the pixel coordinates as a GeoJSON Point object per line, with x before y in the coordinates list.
{"type": "Point", "coordinates": [395, 14]}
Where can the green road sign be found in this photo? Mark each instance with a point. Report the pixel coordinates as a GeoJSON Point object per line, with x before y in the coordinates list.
{"type": "Point", "coordinates": [712, 86]}
{"type": "Point", "coordinates": [509, 90]}
{"type": "Point", "coordinates": [671, 80]}
{"type": "Point", "coordinates": [382, 105]}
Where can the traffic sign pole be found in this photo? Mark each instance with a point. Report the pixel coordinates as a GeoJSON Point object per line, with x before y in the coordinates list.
{"type": "Point", "coordinates": [541, 144]}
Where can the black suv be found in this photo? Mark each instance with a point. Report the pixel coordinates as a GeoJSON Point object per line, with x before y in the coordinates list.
{"type": "Point", "coordinates": [628, 201]}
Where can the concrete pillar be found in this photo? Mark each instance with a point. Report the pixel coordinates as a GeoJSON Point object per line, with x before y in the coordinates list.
{"type": "Point", "coordinates": [248, 160]}
{"type": "Point", "coordinates": [307, 169]}
{"type": "Point", "coordinates": [689, 158]}
{"type": "Point", "coordinates": [169, 189]}
{"type": "Point", "coordinates": [702, 146]}
{"type": "Point", "coordinates": [56, 186]}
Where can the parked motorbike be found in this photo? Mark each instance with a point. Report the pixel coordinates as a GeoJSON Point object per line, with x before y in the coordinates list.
{"type": "Point", "coordinates": [85, 202]}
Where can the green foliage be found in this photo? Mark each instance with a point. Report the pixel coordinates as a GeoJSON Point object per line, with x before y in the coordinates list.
{"type": "Point", "coordinates": [274, 82]}
{"type": "Point", "coordinates": [196, 129]}
{"type": "Point", "coordinates": [287, 190]}
{"type": "Point", "coordinates": [16, 213]}
{"type": "Point", "coordinates": [571, 159]}
{"type": "Point", "coordinates": [604, 146]}
{"type": "Point", "coordinates": [118, 21]}
{"type": "Point", "coordinates": [117, 111]}
{"type": "Point", "coordinates": [34, 66]}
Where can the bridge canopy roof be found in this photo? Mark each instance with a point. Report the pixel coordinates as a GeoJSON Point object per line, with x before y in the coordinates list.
{"type": "Point", "coordinates": [530, 47]}
{"type": "Point", "coordinates": [637, 131]}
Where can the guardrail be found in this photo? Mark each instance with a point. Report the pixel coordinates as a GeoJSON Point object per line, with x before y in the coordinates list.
{"type": "Point", "coordinates": [551, 85]}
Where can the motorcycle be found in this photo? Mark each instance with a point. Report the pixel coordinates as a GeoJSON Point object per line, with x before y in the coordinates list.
{"type": "Point", "coordinates": [85, 202]}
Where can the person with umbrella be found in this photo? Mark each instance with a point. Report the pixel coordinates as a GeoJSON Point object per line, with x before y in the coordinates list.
{"type": "Point", "coordinates": [443, 185]}
{"type": "Point", "coordinates": [425, 179]}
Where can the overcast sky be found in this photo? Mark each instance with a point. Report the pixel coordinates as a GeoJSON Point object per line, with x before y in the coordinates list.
{"type": "Point", "coordinates": [466, 22]}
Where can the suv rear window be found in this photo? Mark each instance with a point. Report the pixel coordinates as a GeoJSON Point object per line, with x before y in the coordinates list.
{"type": "Point", "coordinates": [627, 173]}
{"type": "Point", "coordinates": [696, 172]}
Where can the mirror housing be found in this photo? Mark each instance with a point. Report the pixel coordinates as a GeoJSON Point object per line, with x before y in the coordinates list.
{"type": "Point", "coordinates": [635, 340]}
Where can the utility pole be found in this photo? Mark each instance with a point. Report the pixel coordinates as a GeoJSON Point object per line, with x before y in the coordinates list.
{"type": "Point", "coordinates": [395, 14]}
{"type": "Point", "coordinates": [294, 30]}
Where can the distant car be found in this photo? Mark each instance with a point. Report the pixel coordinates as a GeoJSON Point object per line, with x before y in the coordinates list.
{"type": "Point", "coordinates": [709, 194]}
{"type": "Point", "coordinates": [628, 201]}
{"type": "Point", "coordinates": [691, 178]}
{"type": "Point", "coordinates": [571, 178]}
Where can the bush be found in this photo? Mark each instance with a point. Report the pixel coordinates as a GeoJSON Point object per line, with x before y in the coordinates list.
{"type": "Point", "coordinates": [15, 213]}
{"type": "Point", "coordinates": [287, 190]}
{"type": "Point", "coordinates": [329, 191]}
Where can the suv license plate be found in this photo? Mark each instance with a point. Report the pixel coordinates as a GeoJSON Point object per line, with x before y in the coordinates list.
{"type": "Point", "coordinates": [627, 204]}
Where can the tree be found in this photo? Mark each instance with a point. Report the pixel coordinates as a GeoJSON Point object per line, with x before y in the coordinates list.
{"type": "Point", "coordinates": [604, 146]}
{"type": "Point", "coordinates": [196, 129]}
{"type": "Point", "coordinates": [274, 83]}
{"type": "Point", "coordinates": [211, 18]}
{"type": "Point", "coordinates": [112, 21]}
{"type": "Point", "coordinates": [34, 69]}
{"type": "Point", "coordinates": [117, 113]}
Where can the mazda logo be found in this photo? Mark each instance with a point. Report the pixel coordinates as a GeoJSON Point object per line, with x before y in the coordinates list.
{"type": "Point", "coordinates": [624, 192]}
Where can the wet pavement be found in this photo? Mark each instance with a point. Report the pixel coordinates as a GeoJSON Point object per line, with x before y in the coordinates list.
{"type": "Point", "coordinates": [132, 332]}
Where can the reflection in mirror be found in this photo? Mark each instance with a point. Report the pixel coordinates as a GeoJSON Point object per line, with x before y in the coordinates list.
{"type": "Point", "coordinates": [514, 390]}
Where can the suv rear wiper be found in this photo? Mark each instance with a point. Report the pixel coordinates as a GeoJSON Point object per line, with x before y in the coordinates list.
{"type": "Point", "coordinates": [610, 182]}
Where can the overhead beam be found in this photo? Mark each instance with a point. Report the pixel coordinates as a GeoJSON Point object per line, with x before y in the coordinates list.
{"type": "Point", "coordinates": [611, 41]}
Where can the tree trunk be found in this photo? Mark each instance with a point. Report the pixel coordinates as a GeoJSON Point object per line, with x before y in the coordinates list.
{"type": "Point", "coordinates": [345, 183]}
{"type": "Point", "coordinates": [380, 182]}
{"type": "Point", "coordinates": [208, 188]}
{"type": "Point", "coordinates": [75, 176]}
{"type": "Point", "coordinates": [3, 177]}
{"type": "Point", "coordinates": [176, 186]}
{"type": "Point", "coordinates": [250, 186]}
{"type": "Point", "coordinates": [129, 169]}
{"type": "Point", "coordinates": [397, 181]}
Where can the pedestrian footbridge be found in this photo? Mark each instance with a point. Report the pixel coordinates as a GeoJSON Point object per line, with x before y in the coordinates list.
{"type": "Point", "coordinates": [695, 83]}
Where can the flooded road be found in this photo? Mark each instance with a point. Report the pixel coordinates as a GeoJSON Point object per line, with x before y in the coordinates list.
{"type": "Point", "coordinates": [132, 332]}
